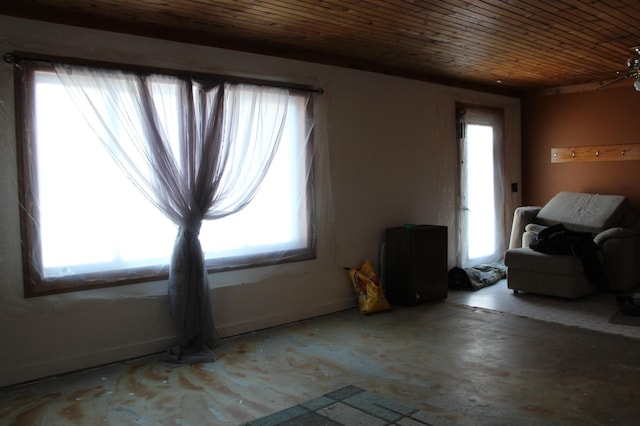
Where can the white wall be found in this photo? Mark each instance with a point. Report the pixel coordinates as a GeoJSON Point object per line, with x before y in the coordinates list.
{"type": "Point", "coordinates": [386, 154]}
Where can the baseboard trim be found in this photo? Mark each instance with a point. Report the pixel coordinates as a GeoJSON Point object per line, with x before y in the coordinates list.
{"type": "Point", "coordinates": [53, 368]}
{"type": "Point", "coordinates": [268, 321]}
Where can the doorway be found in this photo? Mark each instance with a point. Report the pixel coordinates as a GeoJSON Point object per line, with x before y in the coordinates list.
{"type": "Point", "coordinates": [480, 213]}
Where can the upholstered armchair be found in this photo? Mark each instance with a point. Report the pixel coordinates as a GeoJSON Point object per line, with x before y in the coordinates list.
{"type": "Point", "coordinates": [615, 229]}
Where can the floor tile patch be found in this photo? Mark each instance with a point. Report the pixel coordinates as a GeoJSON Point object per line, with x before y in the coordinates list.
{"type": "Point", "coordinates": [346, 406]}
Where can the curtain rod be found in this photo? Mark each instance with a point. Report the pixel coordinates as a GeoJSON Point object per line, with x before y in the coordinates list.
{"type": "Point", "coordinates": [17, 57]}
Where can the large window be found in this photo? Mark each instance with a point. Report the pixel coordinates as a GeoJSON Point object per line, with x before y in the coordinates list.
{"type": "Point", "coordinates": [85, 224]}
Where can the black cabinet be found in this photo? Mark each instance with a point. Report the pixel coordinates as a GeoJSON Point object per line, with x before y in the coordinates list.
{"type": "Point", "coordinates": [415, 264]}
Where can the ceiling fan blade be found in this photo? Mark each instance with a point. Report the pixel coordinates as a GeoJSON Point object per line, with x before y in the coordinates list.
{"type": "Point", "coordinates": [614, 81]}
{"type": "Point", "coordinates": [599, 73]}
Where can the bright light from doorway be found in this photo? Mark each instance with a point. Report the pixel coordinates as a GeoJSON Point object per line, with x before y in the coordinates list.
{"type": "Point", "coordinates": [480, 191]}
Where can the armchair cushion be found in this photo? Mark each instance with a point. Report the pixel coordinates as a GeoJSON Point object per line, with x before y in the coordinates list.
{"type": "Point", "coordinates": [553, 275]}
{"type": "Point", "coordinates": [584, 212]}
{"type": "Point", "coordinates": [534, 228]}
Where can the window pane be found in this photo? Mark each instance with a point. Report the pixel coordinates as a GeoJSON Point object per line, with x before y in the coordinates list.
{"type": "Point", "coordinates": [92, 218]}
{"type": "Point", "coordinates": [276, 218]}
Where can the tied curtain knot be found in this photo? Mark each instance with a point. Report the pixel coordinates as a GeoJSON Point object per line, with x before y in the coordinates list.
{"type": "Point", "coordinates": [192, 225]}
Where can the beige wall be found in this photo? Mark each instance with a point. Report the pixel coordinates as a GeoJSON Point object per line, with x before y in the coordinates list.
{"type": "Point", "coordinates": [607, 116]}
{"type": "Point", "coordinates": [386, 156]}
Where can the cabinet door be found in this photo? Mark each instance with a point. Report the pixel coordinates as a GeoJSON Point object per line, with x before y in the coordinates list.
{"type": "Point", "coordinates": [429, 263]}
{"type": "Point", "coordinates": [416, 264]}
{"type": "Point", "coordinates": [397, 271]}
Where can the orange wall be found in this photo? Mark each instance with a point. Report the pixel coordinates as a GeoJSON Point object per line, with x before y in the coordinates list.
{"type": "Point", "coordinates": [598, 117]}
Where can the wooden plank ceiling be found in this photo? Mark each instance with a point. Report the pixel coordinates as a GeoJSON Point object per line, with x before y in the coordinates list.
{"type": "Point", "coordinates": [500, 45]}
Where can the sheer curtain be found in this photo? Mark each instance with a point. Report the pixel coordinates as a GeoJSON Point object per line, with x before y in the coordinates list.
{"type": "Point", "coordinates": [191, 148]}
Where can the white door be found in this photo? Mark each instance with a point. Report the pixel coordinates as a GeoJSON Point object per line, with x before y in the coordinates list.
{"type": "Point", "coordinates": [481, 190]}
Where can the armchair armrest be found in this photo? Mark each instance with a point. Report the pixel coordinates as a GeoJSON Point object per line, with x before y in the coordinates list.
{"type": "Point", "coordinates": [611, 233]}
{"type": "Point", "coordinates": [619, 258]}
{"type": "Point", "coordinates": [521, 217]}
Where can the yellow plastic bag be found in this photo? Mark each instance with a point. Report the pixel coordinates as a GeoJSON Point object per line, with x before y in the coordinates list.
{"type": "Point", "coordinates": [371, 298]}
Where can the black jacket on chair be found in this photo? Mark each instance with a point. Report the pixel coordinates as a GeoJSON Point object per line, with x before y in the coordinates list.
{"type": "Point", "coordinates": [557, 239]}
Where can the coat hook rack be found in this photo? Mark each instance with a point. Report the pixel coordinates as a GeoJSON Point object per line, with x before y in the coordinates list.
{"type": "Point", "coordinates": [581, 154]}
